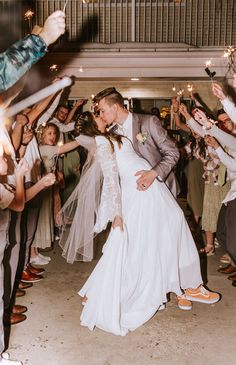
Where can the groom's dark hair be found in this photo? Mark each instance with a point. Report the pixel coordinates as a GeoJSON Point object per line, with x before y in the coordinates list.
{"type": "Point", "coordinates": [111, 96]}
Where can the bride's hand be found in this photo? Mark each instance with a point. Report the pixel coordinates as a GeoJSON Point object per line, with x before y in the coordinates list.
{"type": "Point", "coordinates": [118, 222]}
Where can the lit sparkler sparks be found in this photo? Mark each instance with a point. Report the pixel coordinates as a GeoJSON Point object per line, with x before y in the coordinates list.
{"type": "Point", "coordinates": [54, 67]}
{"type": "Point", "coordinates": [190, 88]}
{"type": "Point", "coordinates": [29, 14]}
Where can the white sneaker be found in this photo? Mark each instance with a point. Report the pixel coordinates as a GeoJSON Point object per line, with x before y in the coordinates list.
{"type": "Point", "coordinates": [37, 260]}
{"type": "Point", "coordinates": [48, 258]}
{"type": "Point", "coordinates": [5, 360]}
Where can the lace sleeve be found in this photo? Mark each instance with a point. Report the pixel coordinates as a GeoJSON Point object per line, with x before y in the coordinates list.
{"type": "Point", "coordinates": [110, 202]}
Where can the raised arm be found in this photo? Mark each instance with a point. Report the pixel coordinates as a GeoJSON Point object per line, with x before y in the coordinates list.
{"type": "Point", "coordinates": [192, 124]}
{"type": "Point", "coordinates": [18, 58]}
{"type": "Point", "coordinates": [176, 114]}
{"type": "Point", "coordinates": [71, 114]}
{"type": "Point", "coordinates": [225, 158]}
{"type": "Point", "coordinates": [42, 107]}
{"type": "Point", "coordinates": [228, 105]}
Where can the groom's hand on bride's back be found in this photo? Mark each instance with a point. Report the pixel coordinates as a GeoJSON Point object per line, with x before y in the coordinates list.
{"type": "Point", "coordinates": [146, 178]}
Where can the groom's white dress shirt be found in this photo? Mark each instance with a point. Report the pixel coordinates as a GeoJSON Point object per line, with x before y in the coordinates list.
{"type": "Point", "coordinates": [127, 128]}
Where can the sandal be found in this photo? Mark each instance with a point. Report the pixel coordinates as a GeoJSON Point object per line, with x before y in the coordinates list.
{"type": "Point", "coordinates": [210, 250]}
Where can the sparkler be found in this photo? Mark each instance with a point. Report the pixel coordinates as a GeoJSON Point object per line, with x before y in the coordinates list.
{"type": "Point", "coordinates": [35, 98]}
{"type": "Point", "coordinates": [208, 71]}
{"type": "Point", "coordinates": [54, 68]}
{"type": "Point", "coordinates": [57, 155]}
{"type": "Point", "coordinates": [28, 16]}
{"type": "Point", "coordinates": [65, 4]}
{"type": "Point", "coordinates": [229, 53]}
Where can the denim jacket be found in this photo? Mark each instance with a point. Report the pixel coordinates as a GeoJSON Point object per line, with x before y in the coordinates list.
{"type": "Point", "coordinates": [18, 59]}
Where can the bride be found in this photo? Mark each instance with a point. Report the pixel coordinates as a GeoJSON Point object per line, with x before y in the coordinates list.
{"type": "Point", "coordinates": [149, 252]}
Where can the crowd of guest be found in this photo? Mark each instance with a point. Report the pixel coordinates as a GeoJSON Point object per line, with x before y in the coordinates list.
{"type": "Point", "coordinates": [209, 147]}
{"type": "Point", "coordinates": [21, 179]}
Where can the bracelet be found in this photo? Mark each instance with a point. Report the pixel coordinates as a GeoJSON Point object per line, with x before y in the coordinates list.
{"type": "Point", "coordinates": [24, 144]}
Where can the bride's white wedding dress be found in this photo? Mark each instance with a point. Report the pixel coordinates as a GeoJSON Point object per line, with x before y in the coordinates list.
{"type": "Point", "coordinates": [155, 253]}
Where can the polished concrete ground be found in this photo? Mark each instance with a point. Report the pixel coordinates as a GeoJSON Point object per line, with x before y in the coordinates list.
{"type": "Point", "coordinates": [52, 334]}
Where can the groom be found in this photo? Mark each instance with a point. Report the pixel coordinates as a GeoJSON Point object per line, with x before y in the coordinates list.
{"type": "Point", "coordinates": [150, 140]}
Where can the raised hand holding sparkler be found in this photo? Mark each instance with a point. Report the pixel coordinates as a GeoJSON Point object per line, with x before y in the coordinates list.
{"type": "Point", "coordinates": [218, 91]}
{"type": "Point", "coordinates": [54, 27]}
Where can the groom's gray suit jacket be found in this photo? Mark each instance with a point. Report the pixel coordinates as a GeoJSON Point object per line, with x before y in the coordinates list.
{"type": "Point", "coordinates": [158, 149]}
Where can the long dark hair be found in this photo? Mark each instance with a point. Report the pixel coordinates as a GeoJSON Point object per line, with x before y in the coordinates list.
{"type": "Point", "coordinates": [86, 125]}
{"type": "Point", "coordinates": [201, 145]}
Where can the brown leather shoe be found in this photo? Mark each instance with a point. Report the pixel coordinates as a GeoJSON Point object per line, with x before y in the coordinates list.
{"type": "Point", "coordinates": [18, 309]}
{"type": "Point", "coordinates": [35, 270]}
{"type": "Point", "coordinates": [12, 318]}
{"type": "Point", "coordinates": [229, 269]}
{"type": "Point", "coordinates": [24, 285]}
{"type": "Point", "coordinates": [232, 277]}
{"type": "Point", "coordinates": [20, 293]}
{"type": "Point", "coordinates": [28, 277]}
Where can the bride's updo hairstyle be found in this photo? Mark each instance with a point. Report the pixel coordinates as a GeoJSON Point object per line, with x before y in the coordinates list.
{"type": "Point", "coordinates": [86, 125]}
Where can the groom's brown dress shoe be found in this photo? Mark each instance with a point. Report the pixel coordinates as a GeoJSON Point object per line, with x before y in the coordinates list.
{"type": "Point", "coordinates": [35, 270]}
{"type": "Point", "coordinates": [24, 285]}
{"type": "Point", "coordinates": [28, 277]}
{"type": "Point", "coordinates": [20, 293]}
{"type": "Point", "coordinates": [10, 319]}
{"type": "Point", "coordinates": [229, 269]}
{"type": "Point", "coordinates": [18, 309]}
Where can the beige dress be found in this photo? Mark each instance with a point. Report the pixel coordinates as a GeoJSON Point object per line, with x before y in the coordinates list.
{"type": "Point", "coordinates": [195, 186]}
{"type": "Point", "coordinates": [214, 193]}
{"type": "Point", "coordinates": [44, 235]}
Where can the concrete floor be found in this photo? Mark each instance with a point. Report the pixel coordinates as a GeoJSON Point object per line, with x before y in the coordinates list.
{"type": "Point", "coordinates": [52, 334]}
